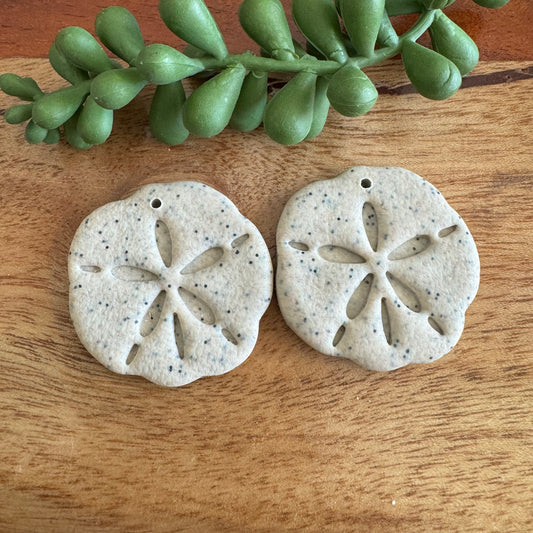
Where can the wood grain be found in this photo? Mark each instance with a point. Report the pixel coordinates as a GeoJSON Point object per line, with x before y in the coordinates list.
{"type": "Point", "coordinates": [28, 27]}
{"type": "Point", "coordinates": [291, 440]}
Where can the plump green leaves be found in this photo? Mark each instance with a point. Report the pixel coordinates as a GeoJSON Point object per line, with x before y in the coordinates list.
{"type": "Point", "coordinates": [265, 22]}
{"type": "Point", "coordinates": [318, 21]}
{"type": "Point", "coordinates": [54, 109]}
{"type": "Point", "coordinates": [192, 21]}
{"type": "Point", "coordinates": [320, 108]}
{"type": "Point", "coordinates": [351, 92]}
{"type": "Point", "coordinates": [209, 108]}
{"type": "Point", "coordinates": [81, 49]}
{"type": "Point", "coordinates": [363, 20]}
{"type": "Point", "coordinates": [161, 64]}
{"type": "Point", "coordinates": [248, 112]}
{"type": "Point", "coordinates": [114, 89]}
{"type": "Point", "coordinates": [53, 136]}
{"type": "Point", "coordinates": [34, 134]}
{"type": "Point", "coordinates": [402, 7]}
{"type": "Point", "coordinates": [72, 135]}
{"type": "Point", "coordinates": [449, 40]}
{"type": "Point", "coordinates": [64, 68]}
{"type": "Point", "coordinates": [297, 112]}
{"type": "Point", "coordinates": [18, 113]}
{"type": "Point", "coordinates": [289, 115]}
{"type": "Point", "coordinates": [387, 35]}
{"type": "Point", "coordinates": [94, 122]}
{"type": "Point", "coordinates": [23, 88]}
{"type": "Point", "coordinates": [436, 4]}
{"type": "Point", "coordinates": [166, 114]}
{"type": "Point", "coordinates": [433, 75]}
{"type": "Point", "coordinates": [494, 4]}
{"type": "Point", "coordinates": [118, 29]}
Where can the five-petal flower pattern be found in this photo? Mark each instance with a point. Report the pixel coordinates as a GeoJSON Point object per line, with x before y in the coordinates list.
{"type": "Point", "coordinates": [169, 284]}
{"type": "Point", "coordinates": [375, 266]}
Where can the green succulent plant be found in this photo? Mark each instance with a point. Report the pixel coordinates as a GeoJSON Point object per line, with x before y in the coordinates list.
{"type": "Point", "coordinates": [342, 38]}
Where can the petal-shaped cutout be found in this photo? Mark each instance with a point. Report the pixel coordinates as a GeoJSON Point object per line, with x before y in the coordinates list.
{"type": "Point", "coordinates": [339, 335]}
{"type": "Point", "coordinates": [197, 306]}
{"type": "Point", "coordinates": [90, 268]}
{"type": "Point", "coordinates": [133, 354]}
{"type": "Point", "coordinates": [385, 321]}
{"type": "Point", "coordinates": [411, 247]}
{"type": "Point", "coordinates": [299, 246]}
{"type": "Point", "coordinates": [359, 298]}
{"type": "Point", "coordinates": [152, 316]}
{"type": "Point", "coordinates": [435, 325]}
{"type": "Point", "coordinates": [131, 273]}
{"type": "Point", "coordinates": [204, 260]}
{"type": "Point", "coordinates": [370, 223]}
{"type": "Point", "coordinates": [338, 254]}
{"type": "Point", "coordinates": [178, 336]}
{"type": "Point", "coordinates": [227, 333]}
{"type": "Point", "coordinates": [447, 231]}
{"type": "Point", "coordinates": [407, 296]}
{"type": "Point", "coordinates": [239, 241]}
{"type": "Point", "coordinates": [164, 242]}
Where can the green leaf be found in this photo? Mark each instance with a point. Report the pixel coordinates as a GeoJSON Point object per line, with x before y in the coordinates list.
{"type": "Point", "coordinates": [161, 64]}
{"type": "Point", "coordinates": [54, 109]}
{"type": "Point", "coordinates": [387, 35]}
{"type": "Point", "coordinates": [402, 7]}
{"type": "Point", "coordinates": [363, 20]}
{"type": "Point", "coordinates": [114, 89]}
{"type": "Point", "coordinates": [289, 115]}
{"type": "Point", "coordinates": [18, 113]}
{"type": "Point", "coordinates": [191, 21]}
{"type": "Point", "coordinates": [449, 40]}
{"type": "Point", "coordinates": [250, 107]}
{"type": "Point", "coordinates": [436, 4]}
{"type": "Point", "coordinates": [166, 114]}
{"type": "Point", "coordinates": [71, 133]}
{"type": "Point", "coordinates": [118, 29]}
{"type": "Point", "coordinates": [64, 68]}
{"type": "Point", "coordinates": [433, 75]}
{"type": "Point", "coordinates": [209, 108]}
{"type": "Point", "coordinates": [23, 88]}
{"type": "Point", "coordinates": [94, 122]}
{"type": "Point", "coordinates": [321, 108]}
{"type": "Point", "coordinates": [319, 22]}
{"type": "Point", "coordinates": [265, 22]}
{"type": "Point", "coordinates": [34, 134]}
{"type": "Point", "coordinates": [53, 136]}
{"type": "Point", "coordinates": [195, 52]}
{"type": "Point", "coordinates": [82, 50]}
{"type": "Point", "coordinates": [351, 92]}
{"type": "Point", "coordinates": [494, 4]}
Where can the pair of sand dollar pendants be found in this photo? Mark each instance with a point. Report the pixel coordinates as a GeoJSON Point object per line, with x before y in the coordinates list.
{"type": "Point", "coordinates": [372, 265]}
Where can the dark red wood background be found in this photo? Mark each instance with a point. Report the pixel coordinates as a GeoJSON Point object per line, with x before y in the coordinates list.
{"type": "Point", "coordinates": [28, 27]}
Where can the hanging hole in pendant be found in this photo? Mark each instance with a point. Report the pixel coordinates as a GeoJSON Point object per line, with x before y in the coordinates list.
{"type": "Point", "coordinates": [366, 183]}
{"type": "Point", "coordinates": [156, 203]}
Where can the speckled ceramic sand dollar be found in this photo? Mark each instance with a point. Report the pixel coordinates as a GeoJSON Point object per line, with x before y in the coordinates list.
{"type": "Point", "coordinates": [169, 284]}
{"type": "Point", "coordinates": [375, 266]}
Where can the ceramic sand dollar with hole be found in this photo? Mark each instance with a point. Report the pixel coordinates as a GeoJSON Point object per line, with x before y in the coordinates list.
{"type": "Point", "coordinates": [375, 266]}
{"type": "Point", "coordinates": [169, 284]}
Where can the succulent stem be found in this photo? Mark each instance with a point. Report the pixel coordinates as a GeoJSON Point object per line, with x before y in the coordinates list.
{"type": "Point", "coordinates": [320, 67]}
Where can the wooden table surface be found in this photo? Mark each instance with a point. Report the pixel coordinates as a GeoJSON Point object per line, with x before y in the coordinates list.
{"type": "Point", "coordinates": [291, 440]}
